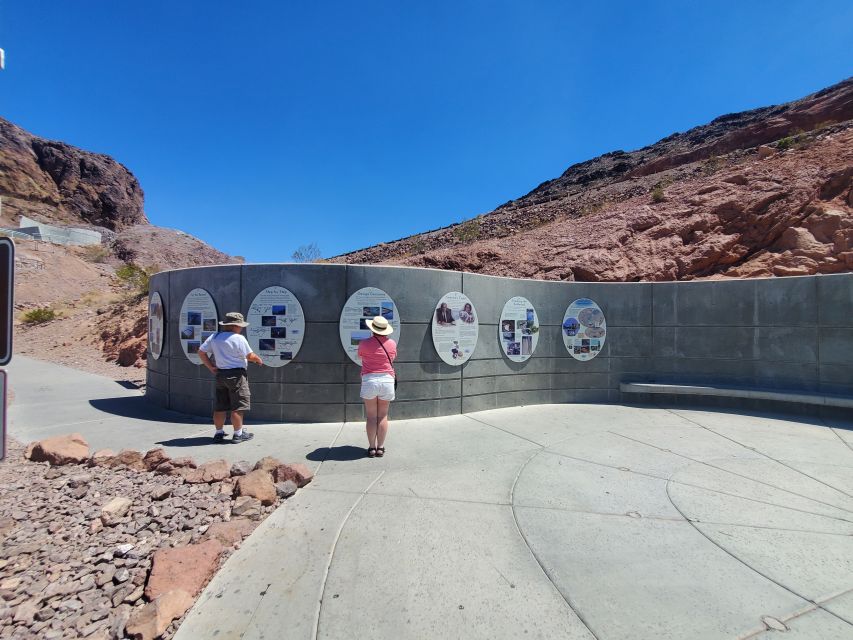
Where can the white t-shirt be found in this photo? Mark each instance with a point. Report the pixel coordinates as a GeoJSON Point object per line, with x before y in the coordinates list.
{"type": "Point", "coordinates": [229, 349]}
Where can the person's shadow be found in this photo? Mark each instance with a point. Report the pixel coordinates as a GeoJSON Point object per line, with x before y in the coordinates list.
{"type": "Point", "coordinates": [344, 453]}
{"type": "Point", "coordinates": [195, 441]}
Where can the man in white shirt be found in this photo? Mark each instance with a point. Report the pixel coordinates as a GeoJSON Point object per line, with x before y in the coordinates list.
{"type": "Point", "coordinates": [231, 354]}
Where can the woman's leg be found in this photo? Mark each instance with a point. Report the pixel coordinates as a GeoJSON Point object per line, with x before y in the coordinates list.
{"type": "Point", "coordinates": [370, 413]}
{"type": "Point", "coordinates": [382, 421]}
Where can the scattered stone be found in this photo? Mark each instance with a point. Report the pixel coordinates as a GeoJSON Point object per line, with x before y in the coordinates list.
{"type": "Point", "coordinates": [285, 489]}
{"type": "Point", "coordinates": [246, 506]}
{"type": "Point", "coordinates": [114, 510]}
{"type": "Point", "coordinates": [257, 484]}
{"type": "Point", "coordinates": [160, 492]}
{"type": "Point", "coordinates": [179, 463]}
{"type": "Point", "coordinates": [59, 450]}
{"type": "Point", "coordinates": [152, 619]}
{"type": "Point", "coordinates": [765, 152]}
{"type": "Point", "coordinates": [122, 575]}
{"type": "Point", "coordinates": [241, 468]}
{"type": "Point", "coordinates": [190, 475]}
{"type": "Point", "coordinates": [101, 457]}
{"type": "Point", "coordinates": [154, 458]}
{"type": "Point", "coordinates": [127, 458]}
{"type": "Point", "coordinates": [232, 532]}
{"type": "Point", "coordinates": [267, 463]}
{"type": "Point", "coordinates": [26, 611]}
{"type": "Point", "coordinates": [186, 567]}
{"type": "Point", "coordinates": [298, 472]}
{"type": "Point", "coordinates": [122, 550]}
{"type": "Point", "coordinates": [215, 471]}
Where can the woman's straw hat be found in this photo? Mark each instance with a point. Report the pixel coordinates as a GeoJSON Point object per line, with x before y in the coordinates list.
{"type": "Point", "coordinates": [380, 326]}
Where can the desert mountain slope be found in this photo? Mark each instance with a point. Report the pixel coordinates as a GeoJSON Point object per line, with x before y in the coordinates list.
{"type": "Point", "coordinates": [98, 315]}
{"type": "Point", "coordinates": [758, 193]}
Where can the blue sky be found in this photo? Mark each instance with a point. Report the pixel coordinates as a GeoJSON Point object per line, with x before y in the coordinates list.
{"type": "Point", "coordinates": [262, 126]}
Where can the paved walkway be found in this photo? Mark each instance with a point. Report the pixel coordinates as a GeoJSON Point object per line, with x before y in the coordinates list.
{"type": "Point", "coordinates": [560, 521]}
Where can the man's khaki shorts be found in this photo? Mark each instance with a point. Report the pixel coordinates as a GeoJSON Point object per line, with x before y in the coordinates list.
{"type": "Point", "coordinates": [232, 390]}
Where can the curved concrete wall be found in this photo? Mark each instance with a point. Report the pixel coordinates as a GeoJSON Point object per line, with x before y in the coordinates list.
{"type": "Point", "coordinates": [784, 333]}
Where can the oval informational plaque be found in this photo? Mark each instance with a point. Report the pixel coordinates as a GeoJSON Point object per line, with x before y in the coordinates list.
{"type": "Point", "coordinates": [197, 322]}
{"type": "Point", "coordinates": [156, 313]}
{"type": "Point", "coordinates": [518, 331]}
{"type": "Point", "coordinates": [276, 326]}
{"type": "Point", "coordinates": [363, 305]}
{"type": "Point", "coordinates": [584, 329]}
{"type": "Point", "coordinates": [455, 328]}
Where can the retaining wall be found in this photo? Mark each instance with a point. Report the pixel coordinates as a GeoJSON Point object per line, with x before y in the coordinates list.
{"type": "Point", "coordinates": [783, 333]}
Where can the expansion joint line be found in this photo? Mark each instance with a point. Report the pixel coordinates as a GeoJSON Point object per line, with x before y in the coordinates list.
{"type": "Point", "coordinates": [768, 456]}
{"type": "Point", "coordinates": [818, 605]}
{"type": "Point", "coordinates": [845, 442]}
{"type": "Point", "coordinates": [331, 446]}
{"type": "Point", "coordinates": [338, 533]}
{"type": "Point", "coordinates": [538, 560]}
{"type": "Point", "coordinates": [734, 473]}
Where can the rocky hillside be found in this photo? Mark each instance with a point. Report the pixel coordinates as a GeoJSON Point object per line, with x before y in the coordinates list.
{"type": "Point", "coordinates": [98, 315]}
{"type": "Point", "coordinates": [758, 193]}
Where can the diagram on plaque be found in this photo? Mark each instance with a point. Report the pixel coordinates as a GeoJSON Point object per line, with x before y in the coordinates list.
{"type": "Point", "coordinates": [584, 329]}
{"type": "Point", "coordinates": [198, 321]}
{"type": "Point", "coordinates": [155, 325]}
{"type": "Point", "coordinates": [366, 304]}
{"type": "Point", "coordinates": [276, 326]}
{"type": "Point", "coordinates": [518, 331]}
{"type": "Point", "coordinates": [455, 328]}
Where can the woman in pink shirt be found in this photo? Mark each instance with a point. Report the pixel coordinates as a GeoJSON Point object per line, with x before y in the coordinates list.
{"type": "Point", "coordinates": [377, 354]}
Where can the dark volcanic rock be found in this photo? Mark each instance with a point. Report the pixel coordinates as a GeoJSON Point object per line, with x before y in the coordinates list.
{"type": "Point", "coordinates": [63, 184]}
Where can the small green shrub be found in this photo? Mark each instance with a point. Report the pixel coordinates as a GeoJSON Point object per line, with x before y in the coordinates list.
{"type": "Point", "coordinates": [657, 194]}
{"type": "Point", "coordinates": [95, 253]}
{"type": "Point", "coordinates": [467, 231]}
{"type": "Point", "coordinates": [785, 143]}
{"type": "Point", "coordinates": [135, 278]}
{"type": "Point", "coordinates": [40, 315]}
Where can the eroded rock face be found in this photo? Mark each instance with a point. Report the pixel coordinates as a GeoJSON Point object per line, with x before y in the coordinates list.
{"type": "Point", "coordinates": [65, 184]}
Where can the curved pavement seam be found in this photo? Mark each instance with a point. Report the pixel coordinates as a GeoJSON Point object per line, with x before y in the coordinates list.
{"type": "Point", "coordinates": [739, 475]}
{"type": "Point", "coordinates": [316, 631]}
{"type": "Point", "coordinates": [331, 445]}
{"type": "Point", "coordinates": [749, 566]}
{"type": "Point", "coordinates": [695, 486]}
{"type": "Point", "coordinates": [766, 455]}
{"type": "Point", "coordinates": [831, 428]}
{"type": "Point", "coordinates": [565, 598]}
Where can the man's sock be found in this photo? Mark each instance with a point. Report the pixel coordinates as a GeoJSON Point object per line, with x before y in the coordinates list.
{"type": "Point", "coordinates": [218, 431]}
{"type": "Point", "coordinates": [239, 432]}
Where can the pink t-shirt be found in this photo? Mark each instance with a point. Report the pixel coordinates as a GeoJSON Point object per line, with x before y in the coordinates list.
{"type": "Point", "coordinates": [373, 358]}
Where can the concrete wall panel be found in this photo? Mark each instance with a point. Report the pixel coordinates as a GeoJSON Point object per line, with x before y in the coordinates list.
{"type": "Point", "coordinates": [783, 333]}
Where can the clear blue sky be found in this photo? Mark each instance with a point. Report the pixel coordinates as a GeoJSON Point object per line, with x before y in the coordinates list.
{"type": "Point", "coordinates": [262, 126]}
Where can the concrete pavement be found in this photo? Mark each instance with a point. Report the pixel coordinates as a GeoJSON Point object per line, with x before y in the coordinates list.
{"type": "Point", "coordinates": [556, 521]}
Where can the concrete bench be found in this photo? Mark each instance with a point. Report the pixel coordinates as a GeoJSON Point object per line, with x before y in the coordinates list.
{"type": "Point", "coordinates": [799, 397]}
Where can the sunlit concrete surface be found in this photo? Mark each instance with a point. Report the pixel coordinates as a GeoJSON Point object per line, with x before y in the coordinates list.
{"type": "Point", "coordinates": [553, 521]}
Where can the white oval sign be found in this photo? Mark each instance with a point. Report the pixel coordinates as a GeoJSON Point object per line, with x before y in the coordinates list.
{"type": "Point", "coordinates": [365, 304]}
{"type": "Point", "coordinates": [455, 328]}
{"type": "Point", "coordinates": [584, 329]}
{"type": "Point", "coordinates": [518, 331]}
{"type": "Point", "coordinates": [156, 312]}
{"type": "Point", "coordinates": [276, 326]}
{"type": "Point", "coordinates": [197, 322]}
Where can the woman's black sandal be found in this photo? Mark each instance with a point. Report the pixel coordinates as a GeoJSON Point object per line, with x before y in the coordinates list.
{"type": "Point", "coordinates": [380, 451]}
{"type": "Point", "coordinates": [371, 452]}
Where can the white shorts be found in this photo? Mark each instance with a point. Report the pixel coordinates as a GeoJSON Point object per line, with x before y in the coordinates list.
{"type": "Point", "coordinates": [377, 385]}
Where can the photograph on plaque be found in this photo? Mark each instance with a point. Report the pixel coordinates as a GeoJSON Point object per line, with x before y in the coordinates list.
{"type": "Point", "coordinates": [197, 311]}
{"type": "Point", "coordinates": [455, 328]}
{"type": "Point", "coordinates": [363, 305]}
{"type": "Point", "coordinates": [518, 329]}
{"type": "Point", "coordinates": [155, 325]}
{"type": "Point", "coordinates": [276, 326]}
{"type": "Point", "coordinates": [584, 329]}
